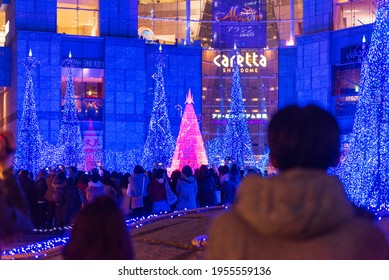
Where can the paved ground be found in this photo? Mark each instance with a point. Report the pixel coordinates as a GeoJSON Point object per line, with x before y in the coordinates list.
{"type": "Point", "coordinates": [164, 238]}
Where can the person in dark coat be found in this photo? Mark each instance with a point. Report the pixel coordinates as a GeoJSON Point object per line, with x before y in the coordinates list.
{"type": "Point", "coordinates": [28, 187]}
{"type": "Point", "coordinates": [227, 189]}
{"type": "Point", "coordinates": [206, 187]}
{"type": "Point", "coordinates": [186, 190]}
{"type": "Point", "coordinates": [15, 217]}
{"type": "Point", "coordinates": [67, 199]}
{"type": "Point", "coordinates": [41, 189]}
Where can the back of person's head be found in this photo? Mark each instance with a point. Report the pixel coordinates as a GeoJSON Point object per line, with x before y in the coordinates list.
{"type": "Point", "coordinates": [99, 233]}
{"type": "Point", "coordinates": [84, 179]}
{"type": "Point", "coordinates": [138, 169]}
{"type": "Point", "coordinates": [187, 171]}
{"type": "Point", "coordinates": [60, 178]}
{"type": "Point", "coordinates": [224, 170]}
{"type": "Point", "coordinates": [159, 174]}
{"type": "Point", "coordinates": [95, 177]}
{"type": "Point", "coordinates": [203, 172]}
{"type": "Point", "coordinates": [175, 175]}
{"type": "Point", "coordinates": [303, 137]}
{"type": "Point", "coordinates": [234, 171]}
{"type": "Point", "coordinates": [73, 171]}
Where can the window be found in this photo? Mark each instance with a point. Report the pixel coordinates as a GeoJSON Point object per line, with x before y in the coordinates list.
{"type": "Point", "coordinates": [4, 27]}
{"type": "Point", "coordinates": [350, 13]}
{"type": "Point", "coordinates": [88, 91]}
{"type": "Point", "coordinates": [80, 17]}
{"type": "Point", "coordinates": [346, 89]}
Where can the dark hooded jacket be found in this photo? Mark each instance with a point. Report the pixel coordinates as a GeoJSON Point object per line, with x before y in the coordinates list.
{"type": "Point", "coordinates": [186, 193]}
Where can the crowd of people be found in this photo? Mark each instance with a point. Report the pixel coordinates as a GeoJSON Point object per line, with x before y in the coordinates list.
{"type": "Point", "coordinates": [57, 195]}
{"type": "Point", "coordinates": [300, 213]}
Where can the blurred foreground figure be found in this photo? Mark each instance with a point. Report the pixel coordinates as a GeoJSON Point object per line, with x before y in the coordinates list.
{"type": "Point", "coordinates": [302, 213]}
{"type": "Point", "coordinates": [99, 233]}
{"type": "Point", "coordinates": [14, 210]}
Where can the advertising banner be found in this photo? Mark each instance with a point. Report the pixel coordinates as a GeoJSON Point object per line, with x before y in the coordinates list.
{"type": "Point", "coordinates": [239, 22]}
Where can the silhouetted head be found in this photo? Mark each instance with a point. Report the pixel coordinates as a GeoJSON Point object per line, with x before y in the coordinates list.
{"type": "Point", "coordinates": [303, 137]}
{"type": "Point", "coordinates": [159, 174]}
{"type": "Point", "coordinates": [175, 175]}
{"type": "Point", "coordinates": [60, 178]}
{"type": "Point", "coordinates": [99, 233]}
{"type": "Point", "coordinates": [224, 170]}
{"type": "Point", "coordinates": [187, 171]}
{"type": "Point", "coordinates": [138, 169]}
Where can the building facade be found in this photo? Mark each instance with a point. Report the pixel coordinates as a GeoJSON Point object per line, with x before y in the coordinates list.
{"type": "Point", "coordinates": [312, 49]}
{"type": "Point", "coordinates": [324, 66]}
{"type": "Point", "coordinates": [113, 72]}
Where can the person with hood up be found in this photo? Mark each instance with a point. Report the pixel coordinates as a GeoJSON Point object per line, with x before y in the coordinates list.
{"type": "Point", "coordinates": [186, 190]}
{"type": "Point", "coordinates": [95, 188]}
{"type": "Point", "coordinates": [301, 213]}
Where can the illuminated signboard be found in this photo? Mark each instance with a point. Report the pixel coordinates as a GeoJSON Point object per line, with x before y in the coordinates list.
{"type": "Point", "coordinates": [239, 22]}
{"type": "Point", "coordinates": [248, 116]}
{"type": "Point", "coordinates": [248, 62]}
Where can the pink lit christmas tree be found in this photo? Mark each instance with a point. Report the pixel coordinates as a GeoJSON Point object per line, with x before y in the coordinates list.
{"type": "Point", "coordinates": [190, 146]}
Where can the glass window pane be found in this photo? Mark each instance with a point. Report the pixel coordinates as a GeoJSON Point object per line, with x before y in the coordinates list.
{"type": "Point", "coordinates": [66, 21]}
{"type": "Point", "coordinates": [88, 4]}
{"type": "Point", "coordinates": [67, 3]}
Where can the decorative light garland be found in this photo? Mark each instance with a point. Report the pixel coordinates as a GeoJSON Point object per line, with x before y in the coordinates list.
{"type": "Point", "coordinates": [236, 140]}
{"type": "Point", "coordinates": [365, 171]}
{"type": "Point", "coordinates": [159, 145]}
{"type": "Point", "coordinates": [70, 132]}
{"type": "Point", "coordinates": [29, 145]}
{"type": "Point", "coordinates": [43, 249]}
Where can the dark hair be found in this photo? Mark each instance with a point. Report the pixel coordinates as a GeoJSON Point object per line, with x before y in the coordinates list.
{"type": "Point", "coordinates": [203, 172]}
{"type": "Point", "coordinates": [95, 177]}
{"type": "Point", "coordinates": [187, 171]}
{"type": "Point", "coordinates": [60, 178]}
{"type": "Point", "coordinates": [159, 173]}
{"type": "Point", "coordinates": [99, 233]}
{"type": "Point", "coordinates": [234, 171]}
{"type": "Point", "coordinates": [224, 169]}
{"type": "Point", "coordinates": [175, 175]}
{"type": "Point", "coordinates": [138, 169]}
{"type": "Point", "coordinates": [84, 178]}
{"type": "Point", "coordinates": [304, 137]}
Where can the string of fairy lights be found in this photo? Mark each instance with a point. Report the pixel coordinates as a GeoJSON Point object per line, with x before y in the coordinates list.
{"type": "Point", "coordinates": [53, 246]}
{"type": "Point", "coordinates": [364, 172]}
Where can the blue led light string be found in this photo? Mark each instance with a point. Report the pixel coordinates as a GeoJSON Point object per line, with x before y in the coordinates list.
{"type": "Point", "coordinates": [159, 146]}
{"type": "Point", "coordinates": [29, 141]}
{"type": "Point", "coordinates": [365, 171]}
{"type": "Point", "coordinates": [236, 139]}
{"type": "Point", "coordinates": [70, 133]}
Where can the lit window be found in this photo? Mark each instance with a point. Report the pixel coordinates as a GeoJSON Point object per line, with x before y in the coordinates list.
{"type": "Point", "coordinates": [88, 92]}
{"type": "Point", "coordinates": [80, 17]}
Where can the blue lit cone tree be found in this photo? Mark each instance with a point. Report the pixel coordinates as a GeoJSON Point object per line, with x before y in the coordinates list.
{"type": "Point", "coordinates": [70, 133]}
{"type": "Point", "coordinates": [236, 139]}
{"type": "Point", "coordinates": [29, 141]}
{"type": "Point", "coordinates": [159, 146]}
{"type": "Point", "coordinates": [365, 171]}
